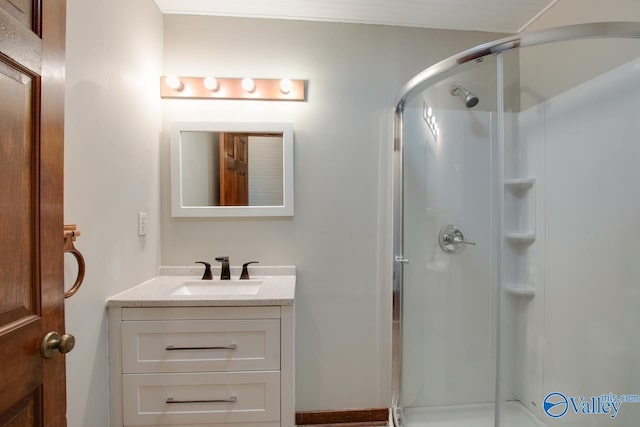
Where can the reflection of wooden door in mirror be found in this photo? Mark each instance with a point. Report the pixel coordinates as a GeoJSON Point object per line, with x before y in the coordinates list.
{"type": "Point", "coordinates": [32, 389]}
{"type": "Point", "coordinates": [234, 169]}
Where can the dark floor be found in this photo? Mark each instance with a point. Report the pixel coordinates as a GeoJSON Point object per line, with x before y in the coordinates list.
{"type": "Point", "coordinates": [360, 424]}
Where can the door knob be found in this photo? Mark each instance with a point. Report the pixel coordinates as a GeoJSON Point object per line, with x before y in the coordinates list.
{"type": "Point", "coordinates": [53, 341]}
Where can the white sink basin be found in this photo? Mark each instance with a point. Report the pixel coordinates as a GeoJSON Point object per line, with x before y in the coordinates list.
{"type": "Point", "coordinates": [217, 288]}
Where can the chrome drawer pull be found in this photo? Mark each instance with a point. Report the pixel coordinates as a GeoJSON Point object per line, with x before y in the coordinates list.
{"type": "Point", "coordinates": [228, 347]}
{"type": "Point", "coordinates": [232, 399]}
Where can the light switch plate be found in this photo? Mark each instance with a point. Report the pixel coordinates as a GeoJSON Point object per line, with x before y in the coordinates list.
{"type": "Point", "coordinates": [142, 223]}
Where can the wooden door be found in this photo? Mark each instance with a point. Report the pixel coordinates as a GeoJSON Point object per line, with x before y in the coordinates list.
{"type": "Point", "coordinates": [32, 38]}
{"type": "Point", "coordinates": [234, 169]}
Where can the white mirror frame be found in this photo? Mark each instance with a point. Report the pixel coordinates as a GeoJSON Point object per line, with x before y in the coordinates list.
{"type": "Point", "coordinates": [178, 210]}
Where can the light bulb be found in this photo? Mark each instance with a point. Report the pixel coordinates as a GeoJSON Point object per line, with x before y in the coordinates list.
{"type": "Point", "coordinates": [248, 85]}
{"type": "Point", "coordinates": [174, 82]}
{"type": "Point", "coordinates": [285, 86]}
{"type": "Point", "coordinates": [211, 83]}
{"type": "Point", "coordinates": [429, 112]}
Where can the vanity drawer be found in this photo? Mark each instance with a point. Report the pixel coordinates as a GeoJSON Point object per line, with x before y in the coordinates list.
{"type": "Point", "coordinates": [256, 394]}
{"type": "Point", "coordinates": [200, 345]}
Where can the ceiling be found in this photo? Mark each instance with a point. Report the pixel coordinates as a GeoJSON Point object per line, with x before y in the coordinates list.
{"type": "Point", "coordinates": [506, 16]}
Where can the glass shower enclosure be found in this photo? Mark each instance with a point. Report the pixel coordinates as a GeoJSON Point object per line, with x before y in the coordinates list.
{"type": "Point", "coordinates": [516, 280]}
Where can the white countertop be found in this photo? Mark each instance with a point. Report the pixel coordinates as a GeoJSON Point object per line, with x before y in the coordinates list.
{"type": "Point", "coordinates": [277, 288]}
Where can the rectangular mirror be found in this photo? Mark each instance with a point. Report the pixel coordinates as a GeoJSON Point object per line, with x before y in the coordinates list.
{"type": "Point", "coordinates": [231, 169]}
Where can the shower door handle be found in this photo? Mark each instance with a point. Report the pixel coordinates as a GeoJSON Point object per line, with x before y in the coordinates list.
{"type": "Point", "coordinates": [401, 260]}
{"type": "Point", "coordinates": [451, 239]}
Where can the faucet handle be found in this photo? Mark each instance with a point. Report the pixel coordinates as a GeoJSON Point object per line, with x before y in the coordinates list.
{"type": "Point", "coordinates": [207, 270]}
{"type": "Point", "coordinates": [245, 270]}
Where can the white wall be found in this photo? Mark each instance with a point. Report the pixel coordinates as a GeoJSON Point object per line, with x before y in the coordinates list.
{"type": "Point", "coordinates": [551, 69]}
{"type": "Point", "coordinates": [339, 236]}
{"type": "Point", "coordinates": [199, 163]}
{"type": "Point", "coordinates": [567, 12]}
{"type": "Point", "coordinates": [112, 125]}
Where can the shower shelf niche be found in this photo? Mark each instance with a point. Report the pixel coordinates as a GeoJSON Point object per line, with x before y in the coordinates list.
{"type": "Point", "coordinates": [520, 234]}
{"type": "Point", "coordinates": [519, 203]}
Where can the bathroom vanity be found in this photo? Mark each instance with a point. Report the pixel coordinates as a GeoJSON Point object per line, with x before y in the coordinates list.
{"type": "Point", "coordinates": [188, 352]}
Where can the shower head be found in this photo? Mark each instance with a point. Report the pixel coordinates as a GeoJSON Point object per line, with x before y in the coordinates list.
{"type": "Point", "coordinates": [470, 99]}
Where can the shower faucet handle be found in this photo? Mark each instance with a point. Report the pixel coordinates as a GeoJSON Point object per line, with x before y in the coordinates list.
{"type": "Point", "coordinates": [451, 239]}
{"type": "Point", "coordinates": [456, 240]}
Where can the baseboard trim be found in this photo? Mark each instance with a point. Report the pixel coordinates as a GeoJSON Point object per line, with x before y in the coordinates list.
{"type": "Point", "coordinates": [351, 416]}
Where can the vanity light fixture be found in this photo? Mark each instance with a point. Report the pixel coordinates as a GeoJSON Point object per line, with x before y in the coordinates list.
{"type": "Point", "coordinates": [211, 83]}
{"type": "Point", "coordinates": [285, 86]}
{"type": "Point", "coordinates": [211, 87]}
{"type": "Point", "coordinates": [175, 83]}
{"type": "Point", "coordinates": [248, 85]}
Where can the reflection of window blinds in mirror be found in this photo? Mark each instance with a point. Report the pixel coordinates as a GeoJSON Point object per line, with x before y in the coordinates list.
{"type": "Point", "coordinates": [265, 176]}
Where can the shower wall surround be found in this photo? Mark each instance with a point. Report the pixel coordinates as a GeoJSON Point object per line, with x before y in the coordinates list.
{"type": "Point", "coordinates": [580, 146]}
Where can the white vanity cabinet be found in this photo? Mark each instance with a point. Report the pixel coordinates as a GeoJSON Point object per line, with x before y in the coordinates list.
{"type": "Point", "coordinates": [201, 366]}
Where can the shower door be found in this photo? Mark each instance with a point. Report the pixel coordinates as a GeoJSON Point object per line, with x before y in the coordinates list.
{"type": "Point", "coordinates": [449, 298]}
{"type": "Point", "coordinates": [517, 234]}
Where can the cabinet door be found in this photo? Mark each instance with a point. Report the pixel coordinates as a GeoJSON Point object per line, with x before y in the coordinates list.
{"type": "Point", "coordinates": [194, 398]}
{"type": "Point", "coordinates": [201, 345]}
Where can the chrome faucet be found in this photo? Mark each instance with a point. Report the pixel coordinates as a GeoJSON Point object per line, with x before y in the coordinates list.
{"type": "Point", "coordinates": [225, 273]}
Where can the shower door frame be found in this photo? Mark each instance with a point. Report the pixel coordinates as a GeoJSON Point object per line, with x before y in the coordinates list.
{"type": "Point", "coordinates": [415, 86]}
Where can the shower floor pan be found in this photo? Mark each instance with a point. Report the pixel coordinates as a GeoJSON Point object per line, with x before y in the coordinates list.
{"type": "Point", "coordinates": [514, 414]}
